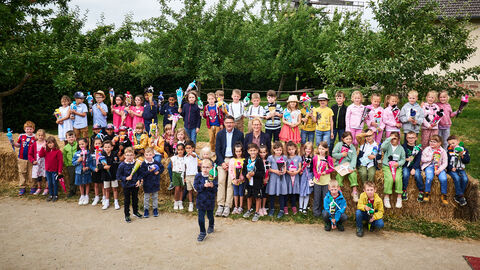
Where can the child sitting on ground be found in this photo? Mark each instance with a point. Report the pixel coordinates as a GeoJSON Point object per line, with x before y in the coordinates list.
{"type": "Point", "coordinates": [206, 187]}
{"type": "Point", "coordinates": [334, 206]}
{"type": "Point", "coordinates": [369, 208]}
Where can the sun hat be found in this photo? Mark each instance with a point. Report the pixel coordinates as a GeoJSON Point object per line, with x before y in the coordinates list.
{"type": "Point", "coordinates": [292, 98]}
{"type": "Point", "coordinates": [323, 96]}
{"type": "Point", "coordinates": [100, 92]}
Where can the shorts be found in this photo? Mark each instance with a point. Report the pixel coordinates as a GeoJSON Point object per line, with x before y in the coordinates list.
{"type": "Point", "coordinates": [189, 181]}
{"type": "Point", "coordinates": [177, 179]}
{"type": "Point", "coordinates": [253, 192]}
{"type": "Point", "coordinates": [108, 184]}
{"type": "Point", "coordinates": [97, 177]}
{"type": "Point", "coordinates": [81, 132]}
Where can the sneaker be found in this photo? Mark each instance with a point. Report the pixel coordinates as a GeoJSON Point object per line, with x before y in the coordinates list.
{"type": "Point", "coordinates": [360, 232]}
{"type": "Point", "coordinates": [240, 210]}
{"type": "Point", "coordinates": [463, 201]}
{"type": "Point", "coordinates": [398, 204]}
{"type": "Point", "coordinates": [86, 200]}
{"type": "Point", "coordinates": [201, 237]}
{"type": "Point", "coordinates": [226, 211]}
{"type": "Point", "coordinates": [260, 212]}
{"type": "Point", "coordinates": [248, 213]}
{"type": "Point", "coordinates": [443, 198]}
{"type": "Point", "coordinates": [106, 205]}
{"type": "Point", "coordinates": [355, 196]}
{"type": "Point", "coordinates": [420, 197]}
{"type": "Point", "coordinates": [45, 192]}
{"type": "Point", "coordinates": [170, 187]}
{"type": "Point", "coordinates": [404, 195]}
{"type": "Point", "coordinates": [285, 210]}
{"type": "Point", "coordinates": [426, 197]}
{"type": "Point", "coordinates": [38, 191]}
{"type": "Point", "coordinates": [49, 198]}
{"type": "Point", "coordinates": [219, 211]}
{"type": "Point", "coordinates": [190, 207]}
{"type": "Point", "coordinates": [305, 211]}
{"type": "Point", "coordinates": [175, 205]}
{"type": "Point", "coordinates": [80, 200]}
{"type": "Point", "coordinates": [271, 212]}
{"type": "Point", "coordinates": [328, 226]}
{"type": "Point", "coordinates": [256, 217]}
{"type": "Point", "coordinates": [117, 206]}
{"type": "Point", "coordinates": [96, 200]}
{"type": "Point", "coordinates": [180, 205]}
{"type": "Point", "coordinates": [146, 214]}
{"type": "Point", "coordinates": [340, 226]}
{"type": "Point", "coordinates": [280, 214]}
{"type": "Point", "coordinates": [235, 211]}
{"type": "Point", "coordinates": [55, 198]}
{"type": "Point", "coordinates": [70, 194]}
{"type": "Point", "coordinates": [128, 219]}
{"type": "Point", "coordinates": [33, 190]}
{"type": "Point", "coordinates": [386, 202]}
{"type": "Point", "coordinates": [21, 191]}
{"type": "Point", "coordinates": [210, 230]}
{"type": "Point", "coordinates": [456, 198]}
{"type": "Point", "coordinates": [137, 214]}
{"type": "Point", "coordinates": [155, 212]}
{"type": "Point", "coordinates": [294, 210]}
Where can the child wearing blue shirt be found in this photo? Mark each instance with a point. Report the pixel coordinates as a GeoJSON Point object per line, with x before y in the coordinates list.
{"type": "Point", "coordinates": [78, 113]}
{"type": "Point", "coordinates": [99, 110]}
{"type": "Point", "coordinates": [168, 109]}
{"type": "Point", "coordinates": [334, 206]}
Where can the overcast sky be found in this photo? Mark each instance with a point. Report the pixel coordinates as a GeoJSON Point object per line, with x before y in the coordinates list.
{"type": "Point", "coordinates": [114, 11]}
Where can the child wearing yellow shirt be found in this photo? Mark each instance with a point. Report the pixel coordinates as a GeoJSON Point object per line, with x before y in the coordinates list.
{"type": "Point", "coordinates": [323, 116]}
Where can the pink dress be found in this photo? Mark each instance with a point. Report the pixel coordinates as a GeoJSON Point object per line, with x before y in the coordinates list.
{"type": "Point", "coordinates": [137, 119]}
{"type": "Point", "coordinates": [129, 120]}
{"type": "Point", "coordinates": [117, 118]}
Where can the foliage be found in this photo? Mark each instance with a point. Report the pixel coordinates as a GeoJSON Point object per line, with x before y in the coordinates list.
{"type": "Point", "coordinates": [411, 41]}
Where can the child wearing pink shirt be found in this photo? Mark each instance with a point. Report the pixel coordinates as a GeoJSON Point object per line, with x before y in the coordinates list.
{"type": "Point", "coordinates": [446, 120]}
{"type": "Point", "coordinates": [353, 118]}
{"type": "Point", "coordinates": [391, 115]}
{"type": "Point", "coordinates": [374, 120]}
{"type": "Point", "coordinates": [430, 125]}
{"type": "Point", "coordinates": [117, 111]}
{"type": "Point", "coordinates": [136, 112]}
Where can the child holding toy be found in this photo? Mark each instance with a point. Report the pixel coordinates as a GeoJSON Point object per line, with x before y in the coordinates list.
{"type": "Point", "coordinates": [206, 189]}
{"type": "Point", "coordinates": [169, 108]}
{"type": "Point", "coordinates": [99, 110]}
{"type": "Point", "coordinates": [97, 174]}
{"type": "Point", "coordinates": [136, 112]}
{"type": "Point", "coordinates": [38, 169]}
{"type": "Point", "coordinates": [411, 114]}
{"type": "Point", "coordinates": [191, 169]}
{"type": "Point", "coordinates": [413, 155]}
{"type": "Point", "coordinates": [434, 163]}
{"type": "Point", "coordinates": [334, 206]}
{"type": "Point", "coordinates": [339, 113]}
{"type": "Point", "coordinates": [306, 178]}
{"type": "Point", "coordinates": [254, 110]}
{"type": "Point", "coordinates": [323, 116]}
{"type": "Point", "coordinates": [84, 165]}
{"type": "Point", "coordinates": [322, 165]}
{"type": "Point", "coordinates": [369, 208]}
{"type": "Point", "coordinates": [191, 116]}
{"type": "Point", "coordinates": [277, 186]}
{"type": "Point", "coordinates": [178, 173]}
{"type": "Point", "coordinates": [24, 142]}
{"type": "Point", "coordinates": [64, 122]}
{"type": "Point", "coordinates": [130, 184]}
{"type": "Point", "coordinates": [150, 110]}
{"type": "Point", "coordinates": [235, 175]}
{"type": "Point", "coordinates": [254, 173]}
{"type": "Point", "coordinates": [391, 115]}
{"type": "Point", "coordinates": [374, 120]}
{"type": "Point", "coordinates": [214, 119]}
{"type": "Point", "coordinates": [368, 150]}
{"type": "Point", "coordinates": [53, 166]}
{"type": "Point", "coordinates": [458, 157]}
{"type": "Point", "coordinates": [291, 120]}
{"type": "Point", "coordinates": [68, 152]}
{"type": "Point", "coordinates": [140, 139]}
{"type": "Point", "coordinates": [149, 177]}
{"type": "Point", "coordinates": [307, 129]}
{"type": "Point", "coordinates": [118, 111]}
{"type": "Point", "coordinates": [273, 114]}
{"type": "Point", "coordinates": [237, 109]}
{"type": "Point", "coordinates": [109, 173]}
{"type": "Point", "coordinates": [432, 118]}
{"type": "Point", "coordinates": [353, 118]}
{"type": "Point", "coordinates": [294, 166]}
{"type": "Point", "coordinates": [393, 160]}
{"type": "Point", "coordinates": [446, 120]}
{"type": "Point", "coordinates": [344, 152]}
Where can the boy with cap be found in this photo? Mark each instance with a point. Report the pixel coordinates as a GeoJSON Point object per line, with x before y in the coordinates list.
{"type": "Point", "coordinates": [323, 116]}
{"type": "Point", "coordinates": [78, 114]}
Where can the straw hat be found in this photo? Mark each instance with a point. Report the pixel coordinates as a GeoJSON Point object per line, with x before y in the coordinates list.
{"type": "Point", "coordinates": [100, 92]}
{"type": "Point", "coordinates": [292, 98]}
{"type": "Point", "coordinates": [323, 96]}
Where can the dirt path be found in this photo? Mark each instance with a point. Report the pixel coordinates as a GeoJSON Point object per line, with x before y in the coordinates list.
{"type": "Point", "coordinates": [41, 235]}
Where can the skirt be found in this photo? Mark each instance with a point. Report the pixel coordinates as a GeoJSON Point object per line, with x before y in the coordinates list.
{"type": "Point", "coordinates": [39, 169]}
{"type": "Point", "coordinates": [290, 134]}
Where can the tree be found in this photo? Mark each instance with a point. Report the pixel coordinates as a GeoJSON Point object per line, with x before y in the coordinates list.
{"type": "Point", "coordinates": [410, 42]}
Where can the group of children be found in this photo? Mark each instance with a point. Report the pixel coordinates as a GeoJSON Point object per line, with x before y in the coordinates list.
{"type": "Point", "coordinates": [130, 151]}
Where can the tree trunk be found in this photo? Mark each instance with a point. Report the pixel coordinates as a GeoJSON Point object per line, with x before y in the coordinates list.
{"type": "Point", "coordinates": [11, 92]}
{"type": "Point", "coordinates": [280, 86]}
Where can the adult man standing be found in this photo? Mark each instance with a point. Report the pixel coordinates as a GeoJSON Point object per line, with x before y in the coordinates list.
{"type": "Point", "coordinates": [226, 139]}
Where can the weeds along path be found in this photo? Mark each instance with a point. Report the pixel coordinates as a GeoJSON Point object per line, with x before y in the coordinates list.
{"type": "Point", "coordinates": [67, 236]}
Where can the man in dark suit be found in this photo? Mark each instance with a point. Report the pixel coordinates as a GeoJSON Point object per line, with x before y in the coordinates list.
{"type": "Point", "coordinates": [226, 139]}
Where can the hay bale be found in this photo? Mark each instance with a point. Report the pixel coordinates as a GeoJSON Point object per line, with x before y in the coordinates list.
{"type": "Point", "coordinates": [433, 210]}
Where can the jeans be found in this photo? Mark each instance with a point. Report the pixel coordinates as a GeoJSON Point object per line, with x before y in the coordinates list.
{"type": "Point", "coordinates": [201, 219]}
{"type": "Point", "coordinates": [418, 179]}
{"type": "Point", "coordinates": [130, 193]}
{"type": "Point", "coordinates": [169, 168]}
{"type": "Point", "coordinates": [460, 180]}
{"type": "Point", "coordinates": [430, 174]}
{"type": "Point", "coordinates": [307, 136]}
{"type": "Point", "coordinates": [239, 190]}
{"type": "Point", "coordinates": [327, 217]}
{"type": "Point", "coordinates": [146, 200]}
{"type": "Point", "coordinates": [360, 216]}
{"type": "Point", "coordinates": [281, 201]}
{"type": "Point", "coordinates": [52, 183]}
{"type": "Point", "coordinates": [274, 133]}
{"type": "Point", "coordinates": [336, 132]}
{"type": "Point", "coordinates": [322, 136]}
{"type": "Point", "coordinates": [192, 134]}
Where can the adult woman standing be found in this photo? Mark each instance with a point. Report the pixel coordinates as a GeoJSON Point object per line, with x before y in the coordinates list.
{"type": "Point", "coordinates": [257, 136]}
